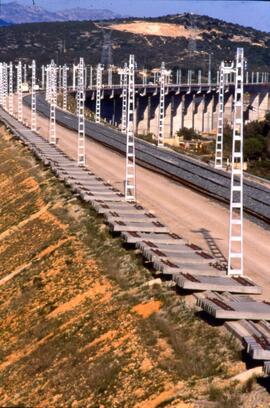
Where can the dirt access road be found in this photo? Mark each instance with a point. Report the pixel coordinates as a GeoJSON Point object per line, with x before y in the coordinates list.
{"type": "Point", "coordinates": [196, 218]}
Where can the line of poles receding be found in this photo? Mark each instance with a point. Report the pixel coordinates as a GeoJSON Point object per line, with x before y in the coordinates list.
{"type": "Point", "coordinates": [55, 79]}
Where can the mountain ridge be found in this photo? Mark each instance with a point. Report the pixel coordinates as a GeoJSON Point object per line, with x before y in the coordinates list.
{"type": "Point", "coordinates": [4, 23]}
{"type": "Point", "coordinates": [17, 13]}
{"type": "Point", "coordinates": [196, 37]}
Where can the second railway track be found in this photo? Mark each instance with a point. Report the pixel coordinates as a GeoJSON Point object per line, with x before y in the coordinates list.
{"type": "Point", "coordinates": [191, 172]}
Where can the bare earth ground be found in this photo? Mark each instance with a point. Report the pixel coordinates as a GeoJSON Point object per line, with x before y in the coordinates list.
{"type": "Point", "coordinates": [159, 29]}
{"type": "Point", "coordinates": [185, 212]}
{"type": "Point", "coordinates": [80, 326]}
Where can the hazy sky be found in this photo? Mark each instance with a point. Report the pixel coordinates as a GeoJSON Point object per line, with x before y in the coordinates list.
{"type": "Point", "coordinates": [248, 13]}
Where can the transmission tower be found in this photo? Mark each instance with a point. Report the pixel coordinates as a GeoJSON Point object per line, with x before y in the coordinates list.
{"type": "Point", "coordinates": [98, 92]}
{"type": "Point", "coordinates": [192, 43]}
{"type": "Point", "coordinates": [130, 180]}
{"type": "Point", "coordinates": [19, 91]}
{"type": "Point", "coordinates": [106, 55]}
{"type": "Point", "coordinates": [65, 71]}
{"type": "Point", "coordinates": [81, 119]}
{"type": "Point", "coordinates": [33, 98]}
{"type": "Point", "coordinates": [10, 90]}
{"type": "Point", "coordinates": [53, 96]}
{"type": "Point", "coordinates": [235, 264]}
{"type": "Point", "coordinates": [163, 75]}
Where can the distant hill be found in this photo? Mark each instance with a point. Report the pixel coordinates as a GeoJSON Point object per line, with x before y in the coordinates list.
{"type": "Point", "coordinates": [81, 14]}
{"type": "Point", "coordinates": [4, 23]}
{"type": "Point", "coordinates": [18, 13]}
{"type": "Point", "coordinates": [181, 41]}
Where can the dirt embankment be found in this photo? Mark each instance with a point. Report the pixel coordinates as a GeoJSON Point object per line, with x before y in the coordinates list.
{"type": "Point", "coordinates": [80, 327]}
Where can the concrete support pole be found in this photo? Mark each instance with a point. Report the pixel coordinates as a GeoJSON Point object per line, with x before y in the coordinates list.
{"type": "Point", "coordinates": [43, 77]}
{"type": "Point", "coordinates": [91, 77]}
{"type": "Point", "coordinates": [74, 69]}
{"type": "Point", "coordinates": [19, 92]}
{"type": "Point", "coordinates": [10, 90]}
{"type": "Point", "coordinates": [219, 137]}
{"type": "Point", "coordinates": [53, 97]}
{"type": "Point", "coordinates": [33, 98]}
{"type": "Point", "coordinates": [263, 105]}
{"type": "Point", "coordinates": [81, 118]}
{"type": "Point", "coordinates": [25, 73]}
{"type": "Point", "coordinates": [168, 119]}
{"type": "Point", "coordinates": [1, 84]}
{"type": "Point", "coordinates": [5, 86]}
{"type": "Point", "coordinates": [177, 113]}
{"type": "Point", "coordinates": [130, 178]}
{"type": "Point", "coordinates": [199, 117]}
{"type": "Point", "coordinates": [124, 74]}
{"type": "Point", "coordinates": [110, 76]}
{"type": "Point", "coordinates": [98, 92]}
{"type": "Point", "coordinates": [235, 262]}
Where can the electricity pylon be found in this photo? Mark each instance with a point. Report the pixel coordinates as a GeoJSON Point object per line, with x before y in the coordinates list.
{"type": "Point", "coordinates": [225, 70]}
{"type": "Point", "coordinates": [164, 74]}
{"type": "Point", "coordinates": [98, 92]}
{"type": "Point", "coordinates": [53, 97]}
{"type": "Point", "coordinates": [19, 91]}
{"type": "Point", "coordinates": [124, 82]}
{"type": "Point", "coordinates": [80, 110]}
{"type": "Point", "coordinates": [65, 85]}
{"type": "Point", "coordinates": [10, 90]}
{"type": "Point", "coordinates": [130, 179]}
{"type": "Point", "coordinates": [33, 98]}
{"type": "Point", "coordinates": [235, 264]}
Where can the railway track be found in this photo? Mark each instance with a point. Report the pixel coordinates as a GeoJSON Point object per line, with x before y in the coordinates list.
{"type": "Point", "coordinates": [225, 298]}
{"type": "Point", "coordinates": [189, 171]}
